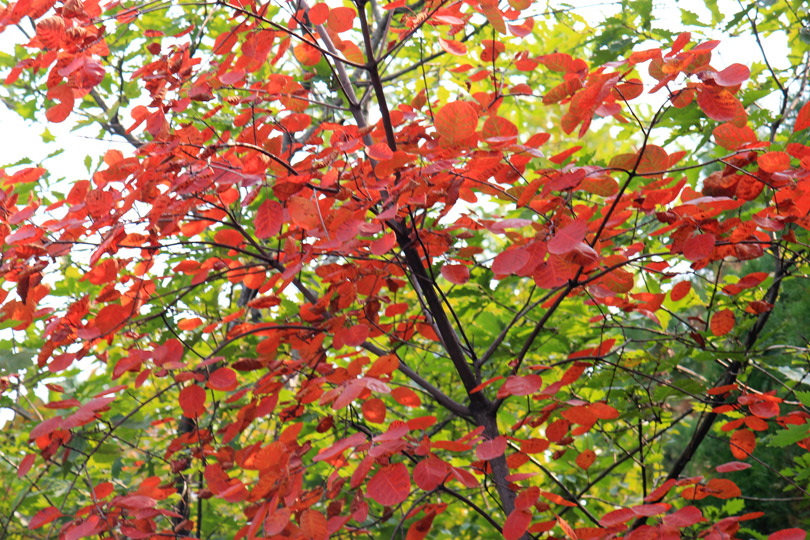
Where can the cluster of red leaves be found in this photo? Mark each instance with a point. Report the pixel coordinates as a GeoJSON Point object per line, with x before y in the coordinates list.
{"type": "Point", "coordinates": [186, 181]}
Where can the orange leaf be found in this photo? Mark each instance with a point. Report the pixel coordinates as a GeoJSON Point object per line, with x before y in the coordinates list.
{"type": "Point", "coordinates": [307, 54]}
{"type": "Point", "coordinates": [732, 137]}
{"type": "Point", "coordinates": [379, 151]}
{"type": "Point", "coordinates": [374, 410]}
{"type": "Point", "coordinates": [304, 213]}
{"type": "Point", "coordinates": [318, 13]}
{"type": "Point", "coordinates": [722, 322]}
{"type": "Point", "coordinates": [341, 19]}
{"type": "Point", "coordinates": [721, 105]}
{"type": "Point", "coordinates": [189, 324]}
{"type": "Point", "coordinates": [313, 524]}
{"type": "Point", "coordinates": [453, 47]}
{"type": "Point", "coordinates": [743, 442]}
{"type": "Point", "coordinates": [64, 95]}
{"type": "Point", "coordinates": [406, 396]}
{"type": "Point", "coordinates": [456, 121]}
{"type": "Point", "coordinates": [585, 459]}
{"type": "Point", "coordinates": [803, 118]}
{"type": "Point", "coordinates": [772, 162]}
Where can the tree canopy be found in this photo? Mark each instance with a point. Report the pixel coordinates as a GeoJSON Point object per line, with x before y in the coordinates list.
{"type": "Point", "coordinates": [440, 269]}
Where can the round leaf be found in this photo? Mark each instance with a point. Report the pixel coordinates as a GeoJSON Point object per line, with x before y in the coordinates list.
{"type": "Point", "coordinates": [391, 485]}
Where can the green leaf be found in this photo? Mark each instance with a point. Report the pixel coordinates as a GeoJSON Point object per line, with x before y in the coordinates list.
{"type": "Point", "coordinates": [793, 434]}
{"type": "Point", "coordinates": [14, 362]}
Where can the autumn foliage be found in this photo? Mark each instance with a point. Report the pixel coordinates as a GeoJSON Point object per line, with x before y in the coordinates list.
{"type": "Point", "coordinates": [437, 270]}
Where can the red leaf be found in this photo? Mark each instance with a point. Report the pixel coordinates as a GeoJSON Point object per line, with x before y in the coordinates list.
{"type": "Point", "coordinates": [340, 446]}
{"type": "Point", "coordinates": [568, 238]}
{"type": "Point", "coordinates": [580, 415]}
{"type": "Point", "coordinates": [498, 131]}
{"type": "Point", "coordinates": [565, 154]}
{"type": "Point", "coordinates": [307, 54]}
{"type": "Point", "coordinates": [772, 162]}
{"type": "Point", "coordinates": [313, 524]}
{"type": "Point", "coordinates": [318, 13]}
{"type": "Point", "coordinates": [723, 488]}
{"type": "Point", "coordinates": [223, 379]}
{"type": "Point", "coordinates": [722, 322]}
{"type": "Point", "coordinates": [732, 137]}
{"type": "Point", "coordinates": [526, 498]}
{"type": "Point", "coordinates": [788, 534]}
{"type": "Point", "coordinates": [45, 427]}
{"type": "Point", "coordinates": [649, 510]}
{"type": "Point", "coordinates": [456, 273]}
{"type": "Point", "coordinates": [557, 499]}
{"type": "Point", "coordinates": [456, 121]}
{"type": "Point", "coordinates": [803, 118]}
{"type": "Point", "coordinates": [566, 528]}
{"type": "Point", "coordinates": [430, 473]}
{"type": "Point", "coordinates": [699, 247]}
{"type": "Point", "coordinates": [420, 528]}
{"type": "Point", "coordinates": [406, 396]}
{"type": "Point", "coordinates": [277, 521]}
{"type": "Point", "coordinates": [453, 47]}
{"type": "Point", "coordinates": [679, 290]}
{"type": "Point", "coordinates": [685, 517]}
{"type": "Point", "coordinates": [341, 19]}
{"type": "Point", "coordinates": [391, 485]}
{"type": "Point", "coordinates": [491, 449]}
{"type": "Point", "coordinates": [25, 465]}
{"type": "Point", "coordinates": [732, 466]}
{"type": "Point", "coordinates": [50, 31]}
{"type": "Point", "coordinates": [64, 95]}
{"type": "Point", "coordinates": [617, 517]}
{"type": "Point", "coordinates": [268, 219]}
{"type": "Point", "coordinates": [679, 43]}
{"type": "Point", "coordinates": [374, 411]}
{"type": "Point", "coordinates": [304, 213]}
{"type": "Point", "coordinates": [585, 459]}
{"type": "Point", "coordinates": [557, 61]}
{"type": "Point", "coordinates": [764, 409]}
{"type": "Point", "coordinates": [516, 524]}
{"type": "Point", "coordinates": [517, 385]}
{"type": "Point", "coordinates": [192, 400]}
{"type": "Point", "coordinates": [742, 443]}
{"type": "Point", "coordinates": [510, 261]}
{"type": "Point", "coordinates": [356, 335]}
{"type": "Point", "coordinates": [732, 75]}
{"type": "Point", "coordinates": [383, 245]}
{"type": "Point", "coordinates": [43, 517]}
{"type": "Point", "coordinates": [721, 105]}
{"type": "Point", "coordinates": [379, 151]}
